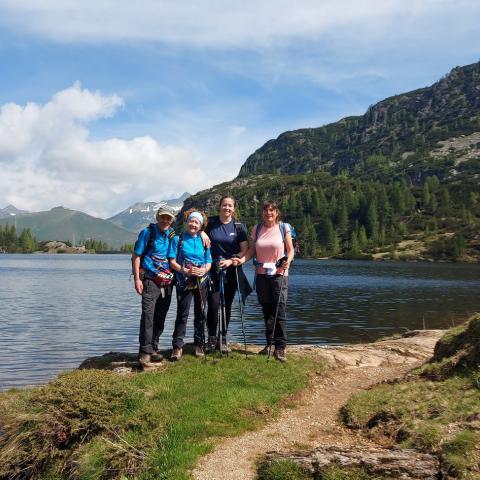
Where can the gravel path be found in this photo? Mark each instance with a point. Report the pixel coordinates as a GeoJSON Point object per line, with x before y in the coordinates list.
{"type": "Point", "coordinates": [315, 418]}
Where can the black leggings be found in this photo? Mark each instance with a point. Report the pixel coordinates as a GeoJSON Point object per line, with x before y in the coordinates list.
{"type": "Point", "coordinates": [184, 299]}
{"type": "Point", "coordinates": [272, 292]}
{"type": "Point", "coordinates": [214, 300]}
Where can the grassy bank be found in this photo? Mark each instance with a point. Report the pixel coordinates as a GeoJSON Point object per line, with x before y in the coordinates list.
{"type": "Point", "coordinates": [435, 410]}
{"type": "Point", "coordinates": [93, 424]}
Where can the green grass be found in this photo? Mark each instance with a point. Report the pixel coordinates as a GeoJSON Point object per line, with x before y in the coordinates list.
{"type": "Point", "coordinates": [286, 469]}
{"type": "Point", "coordinates": [282, 469]}
{"type": "Point", "coordinates": [91, 424]}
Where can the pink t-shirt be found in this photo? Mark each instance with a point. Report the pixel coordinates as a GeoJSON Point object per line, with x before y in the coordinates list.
{"type": "Point", "coordinates": [269, 246]}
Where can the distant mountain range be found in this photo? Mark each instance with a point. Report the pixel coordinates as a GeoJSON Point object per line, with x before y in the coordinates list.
{"type": "Point", "coordinates": [10, 210]}
{"type": "Point", "coordinates": [64, 224]}
{"type": "Point", "coordinates": [140, 214]}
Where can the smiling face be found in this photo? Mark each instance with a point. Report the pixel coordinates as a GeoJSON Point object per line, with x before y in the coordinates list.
{"type": "Point", "coordinates": [164, 222]}
{"type": "Point", "coordinates": [193, 226]}
{"type": "Point", "coordinates": [270, 215]}
{"type": "Point", "coordinates": [227, 208]}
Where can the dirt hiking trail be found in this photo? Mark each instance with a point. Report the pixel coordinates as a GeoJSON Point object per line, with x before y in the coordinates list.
{"type": "Point", "coordinates": [315, 418]}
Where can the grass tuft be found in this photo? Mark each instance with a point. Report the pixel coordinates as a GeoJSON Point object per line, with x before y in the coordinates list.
{"type": "Point", "coordinates": [282, 469]}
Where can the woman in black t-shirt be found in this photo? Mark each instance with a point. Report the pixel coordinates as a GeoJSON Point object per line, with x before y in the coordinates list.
{"type": "Point", "coordinates": [229, 244]}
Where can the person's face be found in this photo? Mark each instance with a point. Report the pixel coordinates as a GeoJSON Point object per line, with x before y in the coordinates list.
{"type": "Point", "coordinates": [193, 226]}
{"type": "Point", "coordinates": [227, 208]}
{"type": "Point", "coordinates": [270, 214]}
{"type": "Point", "coordinates": [164, 221]}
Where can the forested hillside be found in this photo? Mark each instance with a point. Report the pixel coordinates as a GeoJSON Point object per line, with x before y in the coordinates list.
{"type": "Point", "coordinates": [401, 181]}
{"type": "Point", "coordinates": [346, 216]}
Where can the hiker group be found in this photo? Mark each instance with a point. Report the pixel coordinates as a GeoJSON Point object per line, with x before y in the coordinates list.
{"type": "Point", "coordinates": [204, 263]}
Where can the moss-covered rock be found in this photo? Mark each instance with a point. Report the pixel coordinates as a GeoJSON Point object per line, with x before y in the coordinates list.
{"type": "Point", "coordinates": [459, 348]}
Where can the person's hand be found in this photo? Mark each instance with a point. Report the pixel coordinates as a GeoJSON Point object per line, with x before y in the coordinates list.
{"type": "Point", "coordinates": [187, 271]}
{"type": "Point", "coordinates": [237, 261]}
{"type": "Point", "coordinates": [225, 263]}
{"type": "Point", "coordinates": [199, 271]}
{"type": "Point", "coordinates": [205, 239]}
{"type": "Point", "coordinates": [286, 264]}
{"type": "Point", "coordinates": [139, 286]}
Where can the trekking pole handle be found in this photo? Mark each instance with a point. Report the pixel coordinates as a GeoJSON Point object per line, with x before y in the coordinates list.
{"type": "Point", "coordinates": [279, 263]}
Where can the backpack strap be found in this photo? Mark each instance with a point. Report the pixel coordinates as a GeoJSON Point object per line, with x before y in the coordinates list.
{"type": "Point", "coordinates": [150, 243]}
{"type": "Point", "coordinates": [238, 227]}
{"type": "Point", "coordinates": [179, 246]}
{"type": "Point", "coordinates": [258, 227]}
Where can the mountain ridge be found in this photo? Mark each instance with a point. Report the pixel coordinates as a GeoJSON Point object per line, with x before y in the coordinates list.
{"type": "Point", "coordinates": [401, 181]}
{"type": "Point", "coordinates": [397, 128]}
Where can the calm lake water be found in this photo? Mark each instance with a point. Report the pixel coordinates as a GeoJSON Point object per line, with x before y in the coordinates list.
{"type": "Point", "coordinates": [56, 310]}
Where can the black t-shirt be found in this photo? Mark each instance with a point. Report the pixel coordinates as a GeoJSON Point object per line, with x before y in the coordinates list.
{"type": "Point", "coordinates": [225, 239]}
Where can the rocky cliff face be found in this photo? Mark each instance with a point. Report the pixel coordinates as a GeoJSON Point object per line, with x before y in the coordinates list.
{"type": "Point", "coordinates": [403, 129]}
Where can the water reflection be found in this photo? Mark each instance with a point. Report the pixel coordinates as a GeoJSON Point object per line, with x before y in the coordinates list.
{"type": "Point", "coordinates": [58, 309]}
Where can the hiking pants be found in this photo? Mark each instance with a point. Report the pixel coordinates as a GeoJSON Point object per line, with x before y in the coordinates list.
{"type": "Point", "coordinates": [269, 295]}
{"type": "Point", "coordinates": [155, 305]}
{"type": "Point", "coordinates": [184, 299]}
{"type": "Point", "coordinates": [214, 300]}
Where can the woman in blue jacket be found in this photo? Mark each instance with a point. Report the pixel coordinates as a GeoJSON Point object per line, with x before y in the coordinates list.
{"type": "Point", "coordinates": [192, 261]}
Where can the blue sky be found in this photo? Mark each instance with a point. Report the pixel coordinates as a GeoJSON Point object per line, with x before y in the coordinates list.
{"type": "Point", "coordinates": [106, 103]}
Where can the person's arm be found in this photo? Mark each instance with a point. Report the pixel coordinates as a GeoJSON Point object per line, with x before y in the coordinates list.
{"type": "Point", "coordinates": [136, 273]}
{"type": "Point", "coordinates": [251, 247]}
{"type": "Point", "coordinates": [201, 271]}
{"type": "Point", "coordinates": [240, 258]}
{"type": "Point", "coordinates": [205, 239]}
{"type": "Point", "coordinates": [174, 265]}
{"type": "Point", "coordinates": [290, 251]}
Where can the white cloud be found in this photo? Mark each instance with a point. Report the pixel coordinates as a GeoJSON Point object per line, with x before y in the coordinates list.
{"type": "Point", "coordinates": [234, 24]}
{"type": "Point", "coordinates": [47, 158]}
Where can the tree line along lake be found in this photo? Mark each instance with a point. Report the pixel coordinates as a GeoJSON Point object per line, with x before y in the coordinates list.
{"type": "Point", "coordinates": [56, 310]}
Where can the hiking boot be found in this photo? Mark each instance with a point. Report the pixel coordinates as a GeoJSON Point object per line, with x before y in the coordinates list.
{"type": "Point", "coordinates": [176, 354]}
{"type": "Point", "coordinates": [156, 357]}
{"type": "Point", "coordinates": [210, 346]}
{"type": "Point", "coordinates": [144, 358]}
{"type": "Point", "coordinates": [279, 354]}
{"type": "Point", "coordinates": [225, 347]}
{"type": "Point", "coordinates": [198, 352]}
{"type": "Point", "coordinates": [264, 350]}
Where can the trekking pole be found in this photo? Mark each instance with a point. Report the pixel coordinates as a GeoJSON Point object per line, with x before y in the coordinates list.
{"type": "Point", "coordinates": [279, 262]}
{"type": "Point", "coordinates": [202, 305]}
{"type": "Point", "coordinates": [240, 306]}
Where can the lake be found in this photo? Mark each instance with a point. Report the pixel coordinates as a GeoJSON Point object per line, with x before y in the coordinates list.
{"type": "Point", "coordinates": [56, 310]}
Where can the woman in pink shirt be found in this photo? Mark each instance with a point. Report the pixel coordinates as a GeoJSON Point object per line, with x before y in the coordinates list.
{"type": "Point", "coordinates": [272, 251]}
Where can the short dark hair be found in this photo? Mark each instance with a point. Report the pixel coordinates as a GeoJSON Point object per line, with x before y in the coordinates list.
{"type": "Point", "coordinates": [274, 205]}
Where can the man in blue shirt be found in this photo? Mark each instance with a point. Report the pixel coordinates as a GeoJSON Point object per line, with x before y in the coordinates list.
{"type": "Point", "coordinates": [153, 281]}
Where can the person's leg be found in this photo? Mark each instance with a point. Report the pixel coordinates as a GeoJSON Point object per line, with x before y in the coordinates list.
{"type": "Point", "coordinates": [230, 291]}
{"type": "Point", "coordinates": [161, 309]}
{"type": "Point", "coordinates": [149, 299]}
{"type": "Point", "coordinates": [184, 298]}
{"type": "Point", "coordinates": [265, 298]}
{"type": "Point", "coordinates": [280, 294]}
{"type": "Point", "coordinates": [213, 307]}
{"type": "Point", "coordinates": [199, 299]}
